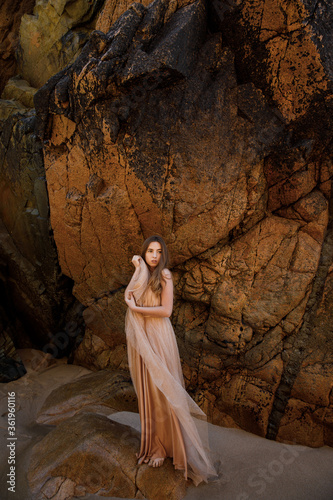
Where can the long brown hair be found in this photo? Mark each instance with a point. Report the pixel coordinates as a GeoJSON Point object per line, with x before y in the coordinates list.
{"type": "Point", "coordinates": [156, 278]}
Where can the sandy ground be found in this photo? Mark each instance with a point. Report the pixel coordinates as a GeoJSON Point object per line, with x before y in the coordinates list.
{"type": "Point", "coordinates": [250, 467]}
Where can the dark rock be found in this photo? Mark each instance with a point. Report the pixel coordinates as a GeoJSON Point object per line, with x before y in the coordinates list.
{"type": "Point", "coordinates": [11, 365]}
{"type": "Point", "coordinates": [174, 48]}
{"type": "Point", "coordinates": [37, 297]}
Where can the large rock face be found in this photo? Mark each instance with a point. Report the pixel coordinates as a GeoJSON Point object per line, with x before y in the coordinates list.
{"type": "Point", "coordinates": [154, 130]}
{"type": "Point", "coordinates": [212, 128]}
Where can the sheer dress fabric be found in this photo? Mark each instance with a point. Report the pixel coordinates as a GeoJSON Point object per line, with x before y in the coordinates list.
{"type": "Point", "coordinates": [172, 424]}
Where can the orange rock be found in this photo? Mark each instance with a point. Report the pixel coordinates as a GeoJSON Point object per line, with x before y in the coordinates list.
{"type": "Point", "coordinates": [292, 189]}
{"type": "Point", "coordinates": [314, 384]}
{"type": "Point", "coordinates": [244, 400]}
{"type": "Point", "coordinates": [162, 136]}
{"type": "Point", "coordinates": [306, 424]}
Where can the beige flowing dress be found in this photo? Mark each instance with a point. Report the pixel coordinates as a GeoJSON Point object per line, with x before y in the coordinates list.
{"type": "Point", "coordinates": [172, 424]}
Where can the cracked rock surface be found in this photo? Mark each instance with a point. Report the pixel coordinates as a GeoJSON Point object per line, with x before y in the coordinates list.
{"type": "Point", "coordinates": [208, 123]}
{"type": "Point", "coordinates": [155, 129]}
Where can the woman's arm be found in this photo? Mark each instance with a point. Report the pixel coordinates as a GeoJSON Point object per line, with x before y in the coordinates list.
{"type": "Point", "coordinates": [162, 311]}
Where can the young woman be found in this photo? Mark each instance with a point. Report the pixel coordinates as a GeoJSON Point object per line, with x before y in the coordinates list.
{"type": "Point", "coordinates": [172, 425]}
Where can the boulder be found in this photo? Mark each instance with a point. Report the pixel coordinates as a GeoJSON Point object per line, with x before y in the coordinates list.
{"type": "Point", "coordinates": [90, 454]}
{"type": "Point", "coordinates": [19, 90]}
{"type": "Point", "coordinates": [52, 36]}
{"type": "Point", "coordinates": [7, 108]}
{"type": "Point", "coordinates": [206, 122]}
{"type": "Point", "coordinates": [104, 391]}
{"type": "Point", "coordinates": [95, 353]}
{"type": "Point", "coordinates": [10, 19]}
{"type": "Point", "coordinates": [204, 146]}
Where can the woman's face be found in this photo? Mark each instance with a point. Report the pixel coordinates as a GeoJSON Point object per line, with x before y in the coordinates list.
{"type": "Point", "coordinates": [153, 254]}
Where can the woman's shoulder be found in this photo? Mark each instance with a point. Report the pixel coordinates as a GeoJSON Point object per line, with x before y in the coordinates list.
{"type": "Point", "coordinates": [166, 273]}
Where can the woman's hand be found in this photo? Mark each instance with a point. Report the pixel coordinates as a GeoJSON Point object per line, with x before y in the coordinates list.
{"type": "Point", "coordinates": [130, 301]}
{"type": "Point", "coordinates": [136, 260]}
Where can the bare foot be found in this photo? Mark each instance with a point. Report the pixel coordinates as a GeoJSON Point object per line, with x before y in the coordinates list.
{"type": "Point", "coordinates": [142, 460]}
{"type": "Point", "coordinates": [156, 462]}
